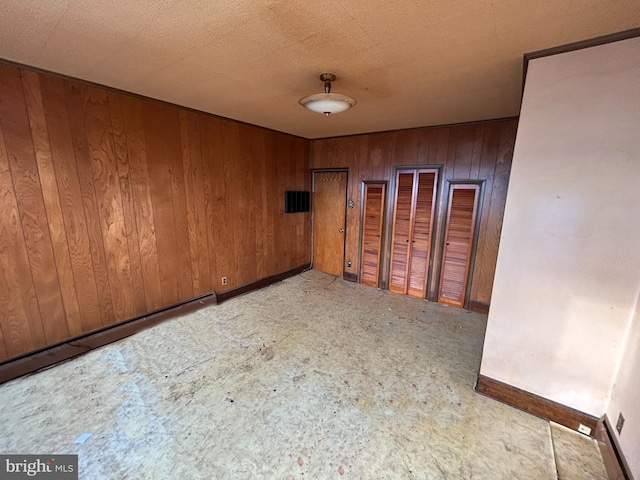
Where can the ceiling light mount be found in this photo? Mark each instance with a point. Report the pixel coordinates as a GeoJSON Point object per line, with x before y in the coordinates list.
{"type": "Point", "coordinates": [327, 78]}
{"type": "Point", "coordinates": [327, 102]}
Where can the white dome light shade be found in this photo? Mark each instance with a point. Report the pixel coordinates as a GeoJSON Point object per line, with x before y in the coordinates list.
{"type": "Point", "coordinates": [327, 103]}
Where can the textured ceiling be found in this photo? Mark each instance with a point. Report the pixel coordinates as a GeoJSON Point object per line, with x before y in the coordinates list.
{"type": "Point", "coordinates": [407, 62]}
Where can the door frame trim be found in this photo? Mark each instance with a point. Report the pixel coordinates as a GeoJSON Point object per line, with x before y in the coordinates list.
{"type": "Point", "coordinates": [313, 211]}
{"type": "Point", "coordinates": [437, 271]}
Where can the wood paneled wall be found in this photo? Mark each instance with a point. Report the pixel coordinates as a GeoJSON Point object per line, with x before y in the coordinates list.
{"type": "Point", "coordinates": [113, 205]}
{"type": "Point", "coordinates": [478, 151]}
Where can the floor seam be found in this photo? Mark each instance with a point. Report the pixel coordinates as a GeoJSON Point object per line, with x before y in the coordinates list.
{"type": "Point", "coordinates": [553, 451]}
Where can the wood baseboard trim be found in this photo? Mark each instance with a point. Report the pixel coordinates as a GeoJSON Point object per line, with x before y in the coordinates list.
{"type": "Point", "coordinates": [614, 461]}
{"type": "Point", "coordinates": [480, 307]}
{"type": "Point", "coordinates": [534, 404]}
{"type": "Point", "coordinates": [263, 282]}
{"type": "Point", "coordinates": [350, 277]}
{"type": "Point", "coordinates": [48, 356]}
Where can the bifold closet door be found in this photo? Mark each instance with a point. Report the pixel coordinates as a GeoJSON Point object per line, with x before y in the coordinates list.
{"type": "Point", "coordinates": [402, 219]}
{"type": "Point", "coordinates": [459, 233]}
{"type": "Point", "coordinates": [372, 220]}
{"type": "Point", "coordinates": [412, 229]}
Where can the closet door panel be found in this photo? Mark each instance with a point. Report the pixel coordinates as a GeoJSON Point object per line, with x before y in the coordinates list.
{"type": "Point", "coordinates": [421, 240]}
{"type": "Point", "coordinates": [402, 220]}
{"type": "Point", "coordinates": [373, 214]}
{"type": "Point", "coordinates": [463, 202]}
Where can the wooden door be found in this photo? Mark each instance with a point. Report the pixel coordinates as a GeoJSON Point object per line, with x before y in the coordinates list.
{"type": "Point", "coordinates": [329, 203]}
{"type": "Point", "coordinates": [412, 228]}
{"type": "Point", "coordinates": [372, 222]}
{"type": "Point", "coordinates": [402, 223]}
{"type": "Point", "coordinates": [459, 234]}
{"type": "Point", "coordinates": [421, 238]}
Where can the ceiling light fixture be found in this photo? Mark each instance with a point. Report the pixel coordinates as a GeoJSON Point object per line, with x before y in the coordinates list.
{"type": "Point", "coordinates": [327, 102]}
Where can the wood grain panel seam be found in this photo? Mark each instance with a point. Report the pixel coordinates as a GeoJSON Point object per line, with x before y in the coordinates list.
{"type": "Point", "coordinates": [98, 246]}
{"type": "Point", "coordinates": [55, 110]}
{"type": "Point", "coordinates": [104, 168]}
{"type": "Point", "coordinates": [123, 172]}
{"type": "Point", "coordinates": [24, 240]}
{"type": "Point", "coordinates": [29, 255]}
{"type": "Point", "coordinates": [41, 159]}
{"type": "Point", "coordinates": [88, 199]}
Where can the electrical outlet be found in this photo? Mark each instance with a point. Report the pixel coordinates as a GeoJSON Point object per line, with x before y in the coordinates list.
{"type": "Point", "coordinates": [224, 280]}
{"type": "Point", "coordinates": [584, 429]}
{"type": "Point", "coordinates": [620, 423]}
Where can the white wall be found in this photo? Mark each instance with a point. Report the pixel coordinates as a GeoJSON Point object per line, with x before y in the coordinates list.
{"type": "Point", "coordinates": [568, 271]}
{"type": "Point", "coordinates": [625, 397]}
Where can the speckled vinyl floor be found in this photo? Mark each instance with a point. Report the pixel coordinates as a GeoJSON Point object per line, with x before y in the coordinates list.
{"type": "Point", "coordinates": [577, 456]}
{"type": "Point", "coordinates": [312, 377]}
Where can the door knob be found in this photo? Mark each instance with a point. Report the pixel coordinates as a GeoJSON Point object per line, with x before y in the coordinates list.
{"type": "Point", "coordinates": [341, 230]}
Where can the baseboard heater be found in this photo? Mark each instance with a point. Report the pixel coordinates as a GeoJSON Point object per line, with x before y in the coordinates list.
{"type": "Point", "coordinates": [50, 355]}
{"type": "Point", "coordinates": [59, 352]}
